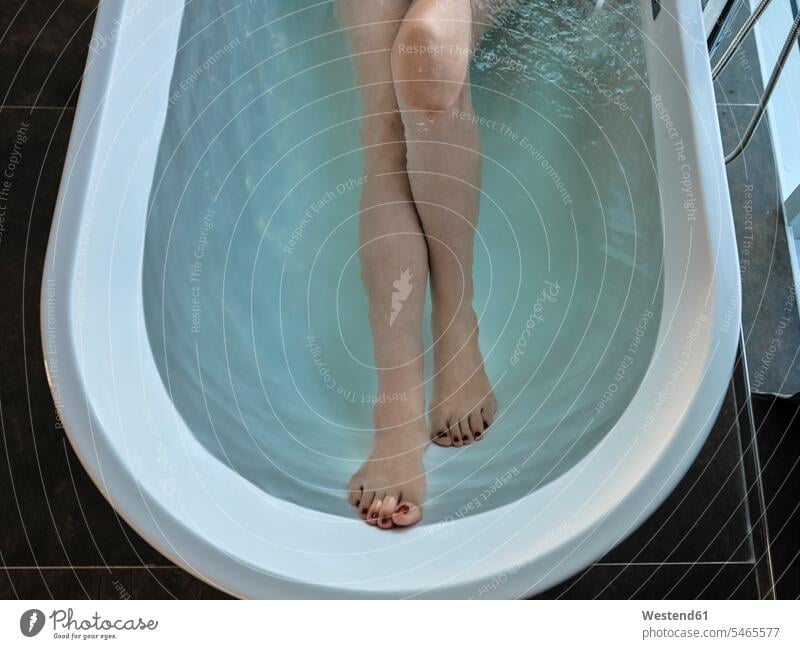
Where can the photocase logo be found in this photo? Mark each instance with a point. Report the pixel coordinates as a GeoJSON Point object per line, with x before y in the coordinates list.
{"type": "Point", "coordinates": [402, 289]}
{"type": "Point", "coordinates": [31, 622]}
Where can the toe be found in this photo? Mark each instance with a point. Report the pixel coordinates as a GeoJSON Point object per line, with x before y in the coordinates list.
{"type": "Point", "coordinates": [454, 431]}
{"type": "Point", "coordinates": [442, 438]}
{"type": "Point", "coordinates": [374, 511]}
{"type": "Point", "coordinates": [476, 424]}
{"type": "Point", "coordinates": [407, 514]}
{"type": "Point", "coordinates": [388, 505]}
{"type": "Point", "coordinates": [487, 414]}
{"type": "Point", "coordinates": [354, 495]}
{"type": "Point", "coordinates": [365, 503]}
{"type": "Point", "coordinates": [466, 433]}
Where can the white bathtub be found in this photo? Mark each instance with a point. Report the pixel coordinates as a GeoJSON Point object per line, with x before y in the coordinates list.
{"type": "Point", "coordinates": [216, 524]}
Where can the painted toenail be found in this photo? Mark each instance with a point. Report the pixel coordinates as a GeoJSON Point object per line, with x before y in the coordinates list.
{"type": "Point", "coordinates": [464, 438]}
{"type": "Point", "coordinates": [364, 511]}
{"type": "Point", "coordinates": [403, 509]}
{"type": "Point", "coordinates": [478, 434]}
{"type": "Point", "coordinates": [374, 516]}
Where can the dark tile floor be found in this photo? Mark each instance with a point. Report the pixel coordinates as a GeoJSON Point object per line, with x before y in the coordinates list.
{"type": "Point", "coordinates": [59, 538]}
{"type": "Point", "coordinates": [43, 50]}
{"type": "Point", "coordinates": [777, 422]}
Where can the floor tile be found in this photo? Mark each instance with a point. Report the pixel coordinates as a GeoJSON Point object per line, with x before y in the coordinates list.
{"type": "Point", "coordinates": [755, 502]}
{"type": "Point", "coordinates": [156, 583]}
{"type": "Point", "coordinates": [777, 425]}
{"type": "Point", "coordinates": [33, 146]}
{"type": "Point", "coordinates": [43, 45]}
{"type": "Point", "coordinates": [769, 303]}
{"type": "Point", "coordinates": [670, 581]}
{"type": "Point", "coordinates": [152, 582]}
{"type": "Point", "coordinates": [49, 583]}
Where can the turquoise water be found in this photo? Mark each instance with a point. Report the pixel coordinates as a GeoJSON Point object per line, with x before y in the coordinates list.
{"type": "Point", "coordinates": [253, 301]}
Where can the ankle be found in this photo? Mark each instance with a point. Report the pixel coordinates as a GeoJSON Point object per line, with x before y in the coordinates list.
{"type": "Point", "coordinates": [398, 433]}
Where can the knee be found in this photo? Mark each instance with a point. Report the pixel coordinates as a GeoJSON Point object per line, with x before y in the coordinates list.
{"type": "Point", "coordinates": [429, 65]}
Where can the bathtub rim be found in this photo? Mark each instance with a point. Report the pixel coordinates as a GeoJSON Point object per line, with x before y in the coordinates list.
{"type": "Point", "coordinates": [112, 476]}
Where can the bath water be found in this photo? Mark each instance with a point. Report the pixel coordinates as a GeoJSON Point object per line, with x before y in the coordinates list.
{"type": "Point", "coordinates": [253, 299]}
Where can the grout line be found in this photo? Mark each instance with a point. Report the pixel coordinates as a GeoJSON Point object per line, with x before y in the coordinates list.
{"type": "Point", "coordinates": [32, 108]}
{"type": "Point", "coordinates": [140, 567]}
{"type": "Point", "coordinates": [677, 563]}
{"type": "Point", "coordinates": [751, 465]}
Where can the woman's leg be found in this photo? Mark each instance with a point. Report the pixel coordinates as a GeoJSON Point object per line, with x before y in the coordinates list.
{"type": "Point", "coordinates": [430, 63]}
{"type": "Point", "coordinates": [389, 488]}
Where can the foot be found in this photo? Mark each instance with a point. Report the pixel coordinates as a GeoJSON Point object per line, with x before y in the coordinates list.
{"type": "Point", "coordinates": [389, 488]}
{"type": "Point", "coordinates": [463, 404]}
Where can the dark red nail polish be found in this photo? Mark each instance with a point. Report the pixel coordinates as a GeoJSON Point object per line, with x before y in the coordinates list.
{"type": "Point", "coordinates": [403, 509]}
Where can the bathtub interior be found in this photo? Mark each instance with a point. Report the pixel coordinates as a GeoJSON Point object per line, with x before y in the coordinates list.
{"type": "Point", "coordinates": [252, 298]}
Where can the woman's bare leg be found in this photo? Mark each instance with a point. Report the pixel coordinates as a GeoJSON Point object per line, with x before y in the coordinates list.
{"type": "Point", "coordinates": [389, 488]}
{"type": "Point", "coordinates": [430, 62]}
